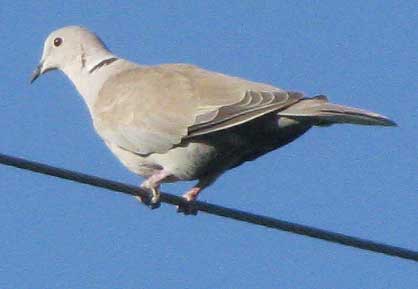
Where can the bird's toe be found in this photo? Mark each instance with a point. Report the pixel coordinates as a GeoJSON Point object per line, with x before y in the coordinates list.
{"type": "Point", "coordinates": [188, 208]}
{"type": "Point", "coordinates": [149, 202]}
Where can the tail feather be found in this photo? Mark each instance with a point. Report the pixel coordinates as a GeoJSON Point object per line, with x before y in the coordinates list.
{"type": "Point", "coordinates": [320, 112]}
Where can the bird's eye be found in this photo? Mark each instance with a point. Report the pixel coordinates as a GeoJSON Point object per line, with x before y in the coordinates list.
{"type": "Point", "coordinates": [57, 41]}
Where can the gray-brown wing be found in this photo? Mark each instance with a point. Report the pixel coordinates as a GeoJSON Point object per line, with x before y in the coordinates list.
{"type": "Point", "coordinates": [145, 110]}
{"type": "Point", "coordinates": [150, 110]}
{"type": "Point", "coordinates": [254, 104]}
{"type": "Point", "coordinates": [226, 101]}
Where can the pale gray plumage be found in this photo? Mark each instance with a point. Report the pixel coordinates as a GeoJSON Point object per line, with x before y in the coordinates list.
{"type": "Point", "coordinates": [180, 122]}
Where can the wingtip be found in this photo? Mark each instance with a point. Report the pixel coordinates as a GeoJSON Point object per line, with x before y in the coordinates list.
{"type": "Point", "coordinates": [382, 120]}
{"type": "Point", "coordinates": [389, 122]}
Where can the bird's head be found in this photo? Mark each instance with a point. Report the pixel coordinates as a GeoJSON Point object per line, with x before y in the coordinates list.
{"type": "Point", "coordinates": [69, 48]}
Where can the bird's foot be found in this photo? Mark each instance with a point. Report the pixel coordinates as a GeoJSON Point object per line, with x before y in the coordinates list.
{"type": "Point", "coordinates": [152, 200]}
{"type": "Point", "coordinates": [189, 208]}
{"type": "Point", "coordinates": [152, 186]}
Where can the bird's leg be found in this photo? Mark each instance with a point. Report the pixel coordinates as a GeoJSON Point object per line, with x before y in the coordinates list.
{"type": "Point", "coordinates": [152, 185]}
{"type": "Point", "coordinates": [192, 194]}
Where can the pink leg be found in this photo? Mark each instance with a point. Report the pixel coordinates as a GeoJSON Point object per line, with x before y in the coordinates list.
{"type": "Point", "coordinates": [192, 194]}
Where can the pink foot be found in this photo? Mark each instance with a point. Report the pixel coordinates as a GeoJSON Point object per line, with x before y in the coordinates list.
{"type": "Point", "coordinates": [152, 185]}
{"type": "Point", "coordinates": [190, 196]}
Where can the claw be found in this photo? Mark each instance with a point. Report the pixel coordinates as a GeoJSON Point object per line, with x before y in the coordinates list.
{"type": "Point", "coordinates": [153, 206]}
{"type": "Point", "coordinates": [187, 209]}
{"type": "Point", "coordinates": [152, 185]}
{"type": "Point", "coordinates": [152, 201]}
{"type": "Point", "coordinates": [155, 198]}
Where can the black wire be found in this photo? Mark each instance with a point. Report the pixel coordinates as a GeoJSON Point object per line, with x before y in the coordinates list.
{"type": "Point", "coordinates": [214, 209]}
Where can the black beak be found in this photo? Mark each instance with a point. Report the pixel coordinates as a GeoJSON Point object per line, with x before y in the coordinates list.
{"type": "Point", "coordinates": [36, 73]}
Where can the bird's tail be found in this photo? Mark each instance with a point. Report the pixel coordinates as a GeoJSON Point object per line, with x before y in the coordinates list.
{"type": "Point", "coordinates": [319, 111]}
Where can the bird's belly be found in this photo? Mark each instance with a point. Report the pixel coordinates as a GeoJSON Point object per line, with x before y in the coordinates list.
{"type": "Point", "coordinates": [134, 162]}
{"type": "Point", "coordinates": [186, 162]}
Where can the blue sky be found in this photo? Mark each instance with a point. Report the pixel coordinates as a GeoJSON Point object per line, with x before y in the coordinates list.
{"type": "Point", "coordinates": [360, 181]}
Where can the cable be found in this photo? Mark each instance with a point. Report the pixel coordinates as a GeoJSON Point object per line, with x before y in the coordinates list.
{"type": "Point", "coordinates": [214, 209]}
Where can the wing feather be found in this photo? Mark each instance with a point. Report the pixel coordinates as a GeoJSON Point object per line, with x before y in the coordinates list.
{"type": "Point", "coordinates": [151, 109]}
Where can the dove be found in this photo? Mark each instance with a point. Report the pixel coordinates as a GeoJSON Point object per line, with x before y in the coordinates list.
{"type": "Point", "coordinates": [180, 122]}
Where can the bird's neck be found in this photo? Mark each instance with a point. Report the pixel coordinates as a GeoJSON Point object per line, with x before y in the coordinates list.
{"type": "Point", "coordinates": [88, 73]}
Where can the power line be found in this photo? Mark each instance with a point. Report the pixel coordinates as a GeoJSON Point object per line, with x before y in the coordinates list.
{"type": "Point", "coordinates": [214, 209]}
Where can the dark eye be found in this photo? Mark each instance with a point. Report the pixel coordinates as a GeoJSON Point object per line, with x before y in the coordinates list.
{"type": "Point", "coordinates": [57, 41]}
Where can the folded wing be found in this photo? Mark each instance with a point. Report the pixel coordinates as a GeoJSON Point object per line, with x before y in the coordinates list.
{"type": "Point", "coordinates": [150, 110]}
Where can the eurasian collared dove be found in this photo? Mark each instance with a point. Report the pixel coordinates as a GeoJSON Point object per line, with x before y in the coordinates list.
{"type": "Point", "coordinates": [177, 122]}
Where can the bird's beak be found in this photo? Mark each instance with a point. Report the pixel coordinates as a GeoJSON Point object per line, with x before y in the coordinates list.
{"type": "Point", "coordinates": [37, 72]}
